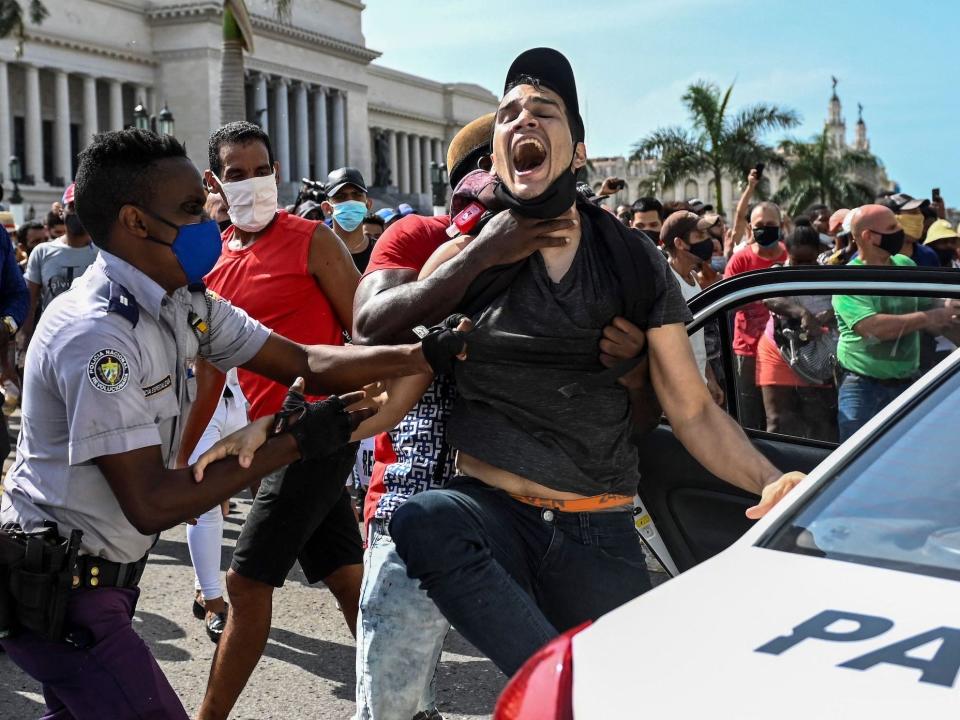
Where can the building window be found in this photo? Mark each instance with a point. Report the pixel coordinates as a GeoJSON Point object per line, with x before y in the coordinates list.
{"type": "Point", "coordinates": [690, 190]}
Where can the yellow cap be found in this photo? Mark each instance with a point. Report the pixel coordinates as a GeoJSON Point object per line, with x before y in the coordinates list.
{"type": "Point", "coordinates": [940, 230]}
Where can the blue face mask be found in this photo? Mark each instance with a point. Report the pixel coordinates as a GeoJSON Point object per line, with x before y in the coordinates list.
{"type": "Point", "coordinates": [197, 246]}
{"type": "Point", "coordinates": [349, 214]}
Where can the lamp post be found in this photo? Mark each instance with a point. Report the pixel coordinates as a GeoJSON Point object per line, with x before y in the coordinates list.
{"type": "Point", "coordinates": [438, 179]}
{"type": "Point", "coordinates": [162, 123]}
{"type": "Point", "coordinates": [16, 200]}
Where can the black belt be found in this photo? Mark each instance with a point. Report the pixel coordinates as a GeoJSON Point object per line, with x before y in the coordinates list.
{"type": "Point", "coordinates": [95, 572]}
{"type": "Point", "coordinates": [889, 382]}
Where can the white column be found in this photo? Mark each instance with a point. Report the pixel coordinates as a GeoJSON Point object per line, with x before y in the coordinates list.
{"type": "Point", "coordinates": [283, 128]}
{"type": "Point", "coordinates": [261, 103]}
{"type": "Point", "coordinates": [62, 159]}
{"type": "Point", "coordinates": [116, 105]}
{"type": "Point", "coordinates": [426, 157]}
{"type": "Point", "coordinates": [33, 163]}
{"type": "Point", "coordinates": [438, 155]}
{"type": "Point", "coordinates": [321, 157]}
{"type": "Point", "coordinates": [6, 142]}
{"type": "Point", "coordinates": [90, 122]}
{"type": "Point", "coordinates": [392, 145]}
{"type": "Point", "coordinates": [403, 180]}
{"type": "Point", "coordinates": [415, 165]}
{"type": "Point", "coordinates": [339, 130]}
{"type": "Point", "coordinates": [303, 132]}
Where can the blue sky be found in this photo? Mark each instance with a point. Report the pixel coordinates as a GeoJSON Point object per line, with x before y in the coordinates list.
{"type": "Point", "coordinates": [633, 59]}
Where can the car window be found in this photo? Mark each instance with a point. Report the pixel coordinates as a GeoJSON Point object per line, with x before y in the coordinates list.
{"type": "Point", "coordinates": [897, 504]}
{"type": "Point", "coordinates": [818, 367]}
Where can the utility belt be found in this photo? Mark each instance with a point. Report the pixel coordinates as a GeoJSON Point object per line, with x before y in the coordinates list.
{"type": "Point", "coordinates": [39, 569]}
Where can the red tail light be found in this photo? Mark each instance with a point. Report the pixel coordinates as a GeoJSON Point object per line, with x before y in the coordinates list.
{"type": "Point", "coordinates": [543, 688]}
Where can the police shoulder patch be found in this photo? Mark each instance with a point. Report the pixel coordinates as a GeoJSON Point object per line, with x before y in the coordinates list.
{"type": "Point", "coordinates": [108, 370]}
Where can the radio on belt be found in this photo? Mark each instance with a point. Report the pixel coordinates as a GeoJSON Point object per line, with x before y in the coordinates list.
{"type": "Point", "coordinates": [466, 219]}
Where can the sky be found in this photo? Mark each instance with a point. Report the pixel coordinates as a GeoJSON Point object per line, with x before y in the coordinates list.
{"type": "Point", "coordinates": [634, 58]}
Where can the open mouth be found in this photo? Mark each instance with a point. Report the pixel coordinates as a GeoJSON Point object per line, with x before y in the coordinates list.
{"type": "Point", "coordinates": [528, 155]}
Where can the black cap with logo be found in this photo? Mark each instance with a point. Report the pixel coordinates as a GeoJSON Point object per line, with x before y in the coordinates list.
{"type": "Point", "coordinates": [344, 176]}
{"type": "Point", "coordinates": [553, 70]}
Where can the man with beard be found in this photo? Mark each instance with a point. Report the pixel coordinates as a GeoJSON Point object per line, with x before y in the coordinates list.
{"type": "Point", "coordinates": [536, 534]}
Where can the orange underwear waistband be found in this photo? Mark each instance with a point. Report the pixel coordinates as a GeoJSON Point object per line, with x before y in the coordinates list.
{"type": "Point", "coordinates": [588, 504]}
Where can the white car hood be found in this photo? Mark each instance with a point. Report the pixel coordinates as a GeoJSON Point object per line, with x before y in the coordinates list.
{"type": "Point", "coordinates": [688, 649]}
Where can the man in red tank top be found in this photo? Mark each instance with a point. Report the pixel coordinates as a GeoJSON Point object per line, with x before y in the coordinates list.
{"type": "Point", "coordinates": [297, 278]}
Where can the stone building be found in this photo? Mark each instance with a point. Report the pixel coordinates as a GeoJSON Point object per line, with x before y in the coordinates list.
{"type": "Point", "coordinates": [639, 173]}
{"type": "Point", "coordinates": [311, 82]}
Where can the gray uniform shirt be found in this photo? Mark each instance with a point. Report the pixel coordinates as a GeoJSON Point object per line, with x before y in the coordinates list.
{"type": "Point", "coordinates": [55, 265]}
{"type": "Point", "coordinates": [107, 372]}
{"type": "Point", "coordinates": [511, 413]}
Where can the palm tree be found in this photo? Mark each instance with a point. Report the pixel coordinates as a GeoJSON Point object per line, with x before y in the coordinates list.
{"type": "Point", "coordinates": [11, 19]}
{"type": "Point", "coordinates": [817, 173]}
{"type": "Point", "coordinates": [718, 142]}
{"type": "Point", "coordinates": [237, 38]}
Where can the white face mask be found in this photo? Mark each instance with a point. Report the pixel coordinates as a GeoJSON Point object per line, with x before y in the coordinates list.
{"type": "Point", "coordinates": [252, 203]}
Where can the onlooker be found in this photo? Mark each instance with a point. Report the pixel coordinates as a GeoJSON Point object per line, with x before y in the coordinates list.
{"type": "Point", "coordinates": [297, 278]}
{"type": "Point", "coordinates": [648, 216]}
{"type": "Point", "coordinates": [347, 204]}
{"type": "Point", "coordinates": [765, 251]}
{"type": "Point", "coordinates": [29, 235]}
{"type": "Point", "coordinates": [54, 265]}
{"type": "Point", "coordinates": [794, 405]}
{"type": "Point", "coordinates": [689, 247]}
{"type": "Point", "coordinates": [879, 349]}
{"type": "Point", "coordinates": [739, 238]}
{"type": "Point", "coordinates": [838, 227]}
{"type": "Point", "coordinates": [943, 240]}
{"type": "Point", "coordinates": [55, 225]}
{"type": "Point", "coordinates": [388, 215]}
{"type": "Point", "coordinates": [909, 212]}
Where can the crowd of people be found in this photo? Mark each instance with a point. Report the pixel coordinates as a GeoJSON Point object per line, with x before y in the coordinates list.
{"type": "Point", "coordinates": [478, 375]}
{"type": "Point", "coordinates": [815, 367]}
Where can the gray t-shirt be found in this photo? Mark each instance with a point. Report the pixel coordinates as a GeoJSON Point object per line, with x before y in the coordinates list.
{"type": "Point", "coordinates": [511, 414]}
{"type": "Point", "coordinates": [55, 265]}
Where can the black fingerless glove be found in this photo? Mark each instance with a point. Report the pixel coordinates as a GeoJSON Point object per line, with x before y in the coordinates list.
{"type": "Point", "coordinates": [441, 343]}
{"type": "Point", "coordinates": [319, 428]}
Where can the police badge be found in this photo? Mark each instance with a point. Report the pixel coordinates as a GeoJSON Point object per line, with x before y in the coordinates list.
{"type": "Point", "coordinates": [108, 371]}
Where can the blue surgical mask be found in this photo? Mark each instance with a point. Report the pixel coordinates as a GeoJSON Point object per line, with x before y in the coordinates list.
{"type": "Point", "coordinates": [349, 214]}
{"type": "Point", "coordinates": [197, 246]}
{"type": "Point", "coordinates": [718, 263]}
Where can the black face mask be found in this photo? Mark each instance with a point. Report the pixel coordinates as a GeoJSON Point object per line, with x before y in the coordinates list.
{"type": "Point", "coordinates": [224, 224]}
{"type": "Point", "coordinates": [703, 250]}
{"type": "Point", "coordinates": [653, 235]}
{"type": "Point", "coordinates": [74, 226]}
{"type": "Point", "coordinates": [892, 242]}
{"type": "Point", "coordinates": [766, 236]}
{"type": "Point", "coordinates": [553, 202]}
{"type": "Point", "coordinates": [946, 255]}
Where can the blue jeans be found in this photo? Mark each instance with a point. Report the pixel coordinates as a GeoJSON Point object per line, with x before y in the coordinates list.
{"type": "Point", "coordinates": [400, 635]}
{"type": "Point", "coordinates": [860, 399]}
{"type": "Point", "coordinates": [510, 576]}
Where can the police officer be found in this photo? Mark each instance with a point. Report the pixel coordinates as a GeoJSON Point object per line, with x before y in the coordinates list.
{"type": "Point", "coordinates": [106, 381]}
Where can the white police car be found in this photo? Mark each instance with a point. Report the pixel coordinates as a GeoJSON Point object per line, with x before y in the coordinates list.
{"type": "Point", "coordinates": [843, 602]}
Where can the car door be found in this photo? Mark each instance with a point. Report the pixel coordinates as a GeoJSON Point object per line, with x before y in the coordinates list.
{"type": "Point", "coordinates": [695, 513]}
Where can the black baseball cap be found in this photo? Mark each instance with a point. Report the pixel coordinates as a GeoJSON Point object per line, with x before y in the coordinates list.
{"type": "Point", "coordinates": [553, 70]}
{"type": "Point", "coordinates": [344, 176]}
{"type": "Point", "coordinates": [898, 202]}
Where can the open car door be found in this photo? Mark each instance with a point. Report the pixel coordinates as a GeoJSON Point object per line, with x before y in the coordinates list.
{"type": "Point", "coordinates": [697, 515]}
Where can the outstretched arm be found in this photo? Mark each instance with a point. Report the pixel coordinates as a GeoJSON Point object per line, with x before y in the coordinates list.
{"type": "Point", "coordinates": [210, 382]}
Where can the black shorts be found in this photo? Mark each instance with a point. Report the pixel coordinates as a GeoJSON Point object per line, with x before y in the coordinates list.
{"type": "Point", "coordinates": [302, 512]}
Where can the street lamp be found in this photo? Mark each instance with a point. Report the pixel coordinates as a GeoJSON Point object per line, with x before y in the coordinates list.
{"type": "Point", "coordinates": [439, 178]}
{"type": "Point", "coordinates": [141, 118]}
{"type": "Point", "coordinates": [165, 122]}
{"type": "Point", "coordinates": [16, 200]}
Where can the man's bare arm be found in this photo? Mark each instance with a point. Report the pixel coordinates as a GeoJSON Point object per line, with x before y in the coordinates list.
{"type": "Point", "coordinates": [891, 327]}
{"type": "Point", "coordinates": [706, 431]}
{"type": "Point", "coordinates": [210, 382]}
{"type": "Point", "coordinates": [335, 369]}
{"type": "Point", "coordinates": [332, 267]}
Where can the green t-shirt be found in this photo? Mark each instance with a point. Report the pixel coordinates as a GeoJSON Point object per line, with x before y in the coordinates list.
{"type": "Point", "coordinates": [882, 359]}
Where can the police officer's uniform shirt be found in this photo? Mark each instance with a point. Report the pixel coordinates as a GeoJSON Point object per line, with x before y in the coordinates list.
{"type": "Point", "coordinates": [107, 372]}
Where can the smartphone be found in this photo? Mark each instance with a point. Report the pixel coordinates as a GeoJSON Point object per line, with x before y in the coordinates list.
{"type": "Point", "coordinates": [935, 195]}
{"type": "Point", "coordinates": [759, 168]}
{"type": "Point", "coordinates": [619, 184]}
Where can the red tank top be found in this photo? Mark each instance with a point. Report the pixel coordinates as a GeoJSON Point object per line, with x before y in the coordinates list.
{"type": "Point", "coordinates": [271, 281]}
